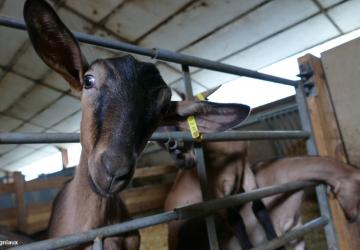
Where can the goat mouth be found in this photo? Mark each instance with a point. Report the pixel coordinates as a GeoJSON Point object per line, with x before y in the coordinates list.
{"type": "Point", "coordinates": [96, 189]}
{"type": "Point", "coordinates": [116, 187]}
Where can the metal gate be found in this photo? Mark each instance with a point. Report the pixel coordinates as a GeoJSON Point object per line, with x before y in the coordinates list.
{"type": "Point", "coordinates": [209, 205]}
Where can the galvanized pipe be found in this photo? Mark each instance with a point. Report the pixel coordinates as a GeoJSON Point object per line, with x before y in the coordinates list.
{"type": "Point", "coordinates": [187, 212]}
{"type": "Point", "coordinates": [88, 236]}
{"type": "Point", "coordinates": [239, 199]}
{"type": "Point", "coordinates": [160, 54]}
{"type": "Point", "coordinates": [201, 169]}
{"type": "Point", "coordinates": [293, 234]}
{"type": "Point", "coordinates": [33, 138]}
{"type": "Point", "coordinates": [210, 220]}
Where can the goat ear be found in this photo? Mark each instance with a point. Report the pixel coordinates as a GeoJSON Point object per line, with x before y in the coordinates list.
{"type": "Point", "coordinates": [210, 116]}
{"type": "Point", "coordinates": [53, 42]}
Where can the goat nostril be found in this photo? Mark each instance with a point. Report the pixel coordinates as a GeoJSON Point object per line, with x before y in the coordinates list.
{"type": "Point", "coordinates": [117, 179]}
{"type": "Point", "coordinates": [122, 177]}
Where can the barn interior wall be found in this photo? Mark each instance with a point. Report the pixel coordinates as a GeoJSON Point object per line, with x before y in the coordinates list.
{"type": "Point", "coordinates": [342, 69]}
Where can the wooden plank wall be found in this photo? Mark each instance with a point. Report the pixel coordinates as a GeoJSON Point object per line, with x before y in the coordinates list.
{"type": "Point", "coordinates": [33, 217]}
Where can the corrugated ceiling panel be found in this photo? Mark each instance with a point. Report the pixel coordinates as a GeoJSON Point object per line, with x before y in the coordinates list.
{"type": "Point", "coordinates": [33, 157]}
{"type": "Point", "coordinates": [328, 3]}
{"type": "Point", "coordinates": [57, 112]}
{"type": "Point", "coordinates": [70, 124]}
{"type": "Point", "coordinates": [8, 123]}
{"type": "Point", "coordinates": [305, 35]}
{"type": "Point", "coordinates": [37, 99]}
{"type": "Point", "coordinates": [137, 17]}
{"type": "Point", "coordinates": [12, 8]}
{"type": "Point", "coordinates": [168, 74]}
{"type": "Point", "coordinates": [92, 53]}
{"type": "Point", "coordinates": [16, 154]}
{"type": "Point", "coordinates": [346, 15]}
{"type": "Point", "coordinates": [29, 128]}
{"type": "Point", "coordinates": [4, 148]}
{"type": "Point", "coordinates": [95, 9]}
{"type": "Point", "coordinates": [180, 86]}
{"type": "Point", "coordinates": [12, 87]}
{"type": "Point", "coordinates": [267, 20]}
{"type": "Point", "coordinates": [211, 79]}
{"type": "Point", "coordinates": [196, 21]}
{"type": "Point", "coordinates": [50, 149]}
{"type": "Point", "coordinates": [53, 79]}
{"type": "Point", "coordinates": [8, 49]}
{"type": "Point", "coordinates": [73, 21]}
{"type": "Point", "coordinates": [34, 70]}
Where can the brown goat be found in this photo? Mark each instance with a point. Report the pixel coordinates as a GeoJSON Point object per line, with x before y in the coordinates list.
{"type": "Point", "coordinates": [228, 172]}
{"type": "Point", "coordinates": [123, 101]}
{"type": "Point", "coordinates": [284, 209]}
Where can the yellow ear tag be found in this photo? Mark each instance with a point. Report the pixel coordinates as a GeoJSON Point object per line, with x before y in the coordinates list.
{"type": "Point", "coordinates": [193, 128]}
{"type": "Point", "coordinates": [192, 122]}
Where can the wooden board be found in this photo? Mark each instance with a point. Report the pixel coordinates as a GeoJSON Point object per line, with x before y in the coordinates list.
{"type": "Point", "coordinates": [342, 70]}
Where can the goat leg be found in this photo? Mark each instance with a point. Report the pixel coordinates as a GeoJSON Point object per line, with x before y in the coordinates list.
{"type": "Point", "coordinates": [237, 224]}
{"type": "Point", "coordinates": [264, 219]}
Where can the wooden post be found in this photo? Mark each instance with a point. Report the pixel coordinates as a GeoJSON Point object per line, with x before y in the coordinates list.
{"type": "Point", "coordinates": [329, 143]}
{"type": "Point", "coordinates": [64, 157]}
{"type": "Point", "coordinates": [19, 183]}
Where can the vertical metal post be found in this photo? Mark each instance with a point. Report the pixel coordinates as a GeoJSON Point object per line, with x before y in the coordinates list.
{"type": "Point", "coordinates": [330, 232]}
{"type": "Point", "coordinates": [201, 170]}
{"type": "Point", "coordinates": [187, 81]}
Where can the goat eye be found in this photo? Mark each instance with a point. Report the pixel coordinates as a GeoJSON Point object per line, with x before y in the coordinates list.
{"type": "Point", "coordinates": [89, 81]}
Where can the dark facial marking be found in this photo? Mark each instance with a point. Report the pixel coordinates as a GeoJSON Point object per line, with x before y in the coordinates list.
{"type": "Point", "coordinates": [99, 115]}
{"type": "Point", "coordinates": [102, 104]}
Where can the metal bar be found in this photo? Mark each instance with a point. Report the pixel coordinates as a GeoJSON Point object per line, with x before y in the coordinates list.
{"type": "Point", "coordinates": [201, 169]}
{"type": "Point", "coordinates": [88, 236]}
{"type": "Point", "coordinates": [330, 233]}
{"type": "Point", "coordinates": [207, 207]}
{"type": "Point", "coordinates": [160, 54]}
{"type": "Point", "coordinates": [187, 82]}
{"type": "Point", "coordinates": [210, 220]}
{"type": "Point", "coordinates": [186, 212]}
{"type": "Point", "coordinates": [293, 234]}
{"type": "Point", "coordinates": [220, 67]}
{"type": "Point", "coordinates": [33, 138]}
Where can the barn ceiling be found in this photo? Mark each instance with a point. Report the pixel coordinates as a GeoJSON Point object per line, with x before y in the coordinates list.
{"type": "Point", "coordinates": [247, 33]}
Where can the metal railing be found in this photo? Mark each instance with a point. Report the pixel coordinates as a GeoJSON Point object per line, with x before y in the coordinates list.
{"type": "Point", "coordinates": [187, 212]}
{"type": "Point", "coordinates": [209, 206]}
